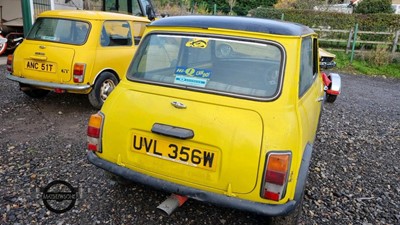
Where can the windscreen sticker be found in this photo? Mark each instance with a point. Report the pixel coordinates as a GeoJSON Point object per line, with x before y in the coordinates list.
{"type": "Point", "coordinates": [197, 43]}
{"type": "Point", "coordinates": [193, 72]}
{"type": "Point", "coordinates": [49, 38]}
{"type": "Point", "coordinates": [192, 76]}
{"type": "Point", "coordinates": [192, 81]}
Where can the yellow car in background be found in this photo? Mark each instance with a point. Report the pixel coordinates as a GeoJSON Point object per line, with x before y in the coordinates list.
{"type": "Point", "coordinates": [219, 109]}
{"type": "Point", "coordinates": [83, 52]}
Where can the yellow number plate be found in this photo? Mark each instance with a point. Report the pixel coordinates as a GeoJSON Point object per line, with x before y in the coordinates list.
{"type": "Point", "coordinates": [46, 67]}
{"type": "Point", "coordinates": [197, 157]}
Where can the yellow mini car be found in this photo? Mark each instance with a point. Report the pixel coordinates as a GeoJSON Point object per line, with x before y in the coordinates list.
{"type": "Point", "coordinates": [219, 109]}
{"type": "Point", "coordinates": [83, 52]}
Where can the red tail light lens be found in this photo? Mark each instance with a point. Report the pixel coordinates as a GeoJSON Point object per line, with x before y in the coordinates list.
{"type": "Point", "coordinates": [94, 132]}
{"type": "Point", "coordinates": [9, 63]}
{"type": "Point", "coordinates": [271, 195]}
{"type": "Point", "coordinates": [79, 72]}
{"type": "Point", "coordinates": [276, 175]}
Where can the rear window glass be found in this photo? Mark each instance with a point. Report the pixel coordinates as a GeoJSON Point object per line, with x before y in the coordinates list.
{"type": "Point", "coordinates": [59, 30]}
{"type": "Point", "coordinates": [211, 64]}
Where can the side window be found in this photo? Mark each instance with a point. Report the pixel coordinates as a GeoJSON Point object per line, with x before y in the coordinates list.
{"type": "Point", "coordinates": [315, 57]}
{"type": "Point", "coordinates": [126, 6]}
{"type": "Point", "coordinates": [138, 30]}
{"type": "Point", "coordinates": [308, 64]}
{"type": "Point", "coordinates": [144, 4]}
{"type": "Point", "coordinates": [136, 11]}
{"type": "Point", "coordinates": [116, 33]}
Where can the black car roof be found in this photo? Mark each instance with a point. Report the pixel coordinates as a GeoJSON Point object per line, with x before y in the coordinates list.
{"type": "Point", "coordinates": [236, 23]}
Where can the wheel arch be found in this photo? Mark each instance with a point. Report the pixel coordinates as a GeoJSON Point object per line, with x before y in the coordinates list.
{"type": "Point", "coordinates": [303, 172]}
{"type": "Point", "coordinates": [110, 70]}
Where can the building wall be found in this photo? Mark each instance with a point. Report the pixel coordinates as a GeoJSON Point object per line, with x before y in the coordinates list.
{"type": "Point", "coordinates": [10, 9]}
{"type": "Point", "coordinates": [78, 4]}
{"type": "Point", "coordinates": [73, 4]}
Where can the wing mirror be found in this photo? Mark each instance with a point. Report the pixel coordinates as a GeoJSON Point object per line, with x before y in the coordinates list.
{"type": "Point", "coordinates": [150, 12]}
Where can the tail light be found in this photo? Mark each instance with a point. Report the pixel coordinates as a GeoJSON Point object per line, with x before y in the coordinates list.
{"type": "Point", "coordinates": [79, 72]}
{"type": "Point", "coordinates": [9, 63]}
{"type": "Point", "coordinates": [276, 173]}
{"type": "Point", "coordinates": [94, 132]}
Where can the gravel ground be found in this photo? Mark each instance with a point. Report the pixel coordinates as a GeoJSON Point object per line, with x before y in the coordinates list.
{"type": "Point", "coordinates": [354, 179]}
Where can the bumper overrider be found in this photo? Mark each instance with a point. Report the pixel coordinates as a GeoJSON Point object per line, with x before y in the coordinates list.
{"type": "Point", "coordinates": [213, 198]}
{"type": "Point", "coordinates": [48, 84]}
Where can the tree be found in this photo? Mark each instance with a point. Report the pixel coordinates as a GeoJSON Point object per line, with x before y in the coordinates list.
{"type": "Point", "coordinates": [302, 4]}
{"type": "Point", "coordinates": [231, 3]}
{"type": "Point", "coordinates": [242, 7]}
{"type": "Point", "coordinates": [285, 4]}
{"type": "Point", "coordinates": [374, 6]}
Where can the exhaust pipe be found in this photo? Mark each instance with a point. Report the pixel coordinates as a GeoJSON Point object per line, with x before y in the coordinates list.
{"type": "Point", "coordinates": [171, 203]}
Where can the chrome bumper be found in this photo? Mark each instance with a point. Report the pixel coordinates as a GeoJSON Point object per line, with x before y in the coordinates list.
{"type": "Point", "coordinates": [48, 84]}
{"type": "Point", "coordinates": [327, 65]}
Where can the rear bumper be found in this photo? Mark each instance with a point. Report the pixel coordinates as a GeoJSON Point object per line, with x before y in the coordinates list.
{"type": "Point", "coordinates": [217, 199]}
{"type": "Point", "coordinates": [48, 84]}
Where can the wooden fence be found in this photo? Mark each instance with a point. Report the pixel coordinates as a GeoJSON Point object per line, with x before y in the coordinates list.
{"type": "Point", "coordinates": [352, 35]}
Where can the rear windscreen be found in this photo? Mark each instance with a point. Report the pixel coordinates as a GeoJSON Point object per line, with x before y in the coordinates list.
{"type": "Point", "coordinates": [210, 64]}
{"type": "Point", "coordinates": [59, 30]}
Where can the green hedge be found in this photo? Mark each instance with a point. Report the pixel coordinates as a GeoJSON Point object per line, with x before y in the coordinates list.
{"type": "Point", "coordinates": [332, 20]}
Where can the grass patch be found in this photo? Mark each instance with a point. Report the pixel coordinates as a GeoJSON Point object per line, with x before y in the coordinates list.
{"type": "Point", "coordinates": [361, 66]}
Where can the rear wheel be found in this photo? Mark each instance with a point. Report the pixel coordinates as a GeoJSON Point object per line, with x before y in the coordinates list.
{"type": "Point", "coordinates": [331, 98]}
{"type": "Point", "coordinates": [102, 88]}
{"type": "Point", "coordinates": [291, 219]}
{"type": "Point", "coordinates": [33, 92]}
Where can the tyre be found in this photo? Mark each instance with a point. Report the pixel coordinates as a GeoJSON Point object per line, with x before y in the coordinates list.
{"type": "Point", "coordinates": [291, 219]}
{"type": "Point", "coordinates": [33, 92]}
{"type": "Point", "coordinates": [330, 98]}
{"type": "Point", "coordinates": [102, 88]}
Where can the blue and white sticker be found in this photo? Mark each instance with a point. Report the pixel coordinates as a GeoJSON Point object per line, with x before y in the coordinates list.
{"type": "Point", "coordinates": [192, 76]}
{"type": "Point", "coordinates": [192, 81]}
{"type": "Point", "coordinates": [193, 72]}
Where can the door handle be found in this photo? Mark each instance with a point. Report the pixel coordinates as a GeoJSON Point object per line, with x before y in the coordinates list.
{"type": "Point", "coordinates": [168, 130]}
{"type": "Point", "coordinates": [320, 99]}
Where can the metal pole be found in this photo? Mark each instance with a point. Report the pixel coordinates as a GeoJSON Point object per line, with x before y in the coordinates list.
{"type": "Point", "coordinates": [215, 9]}
{"type": "Point", "coordinates": [354, 43]}
{"type": "Point", "coordinates": [283, 16]}
{"type": "Point", "coordinates": [349, 40]}
{"type": "Point", "coordinates": [26, 16]}
{"type": "Point", "coordinates": [396, 39]}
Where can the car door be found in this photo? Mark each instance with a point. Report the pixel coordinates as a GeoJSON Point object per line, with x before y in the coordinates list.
{"type": "Point", "coordinates": [310, 88]}
{"type": "Point", "coordinates": [116, 48]}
